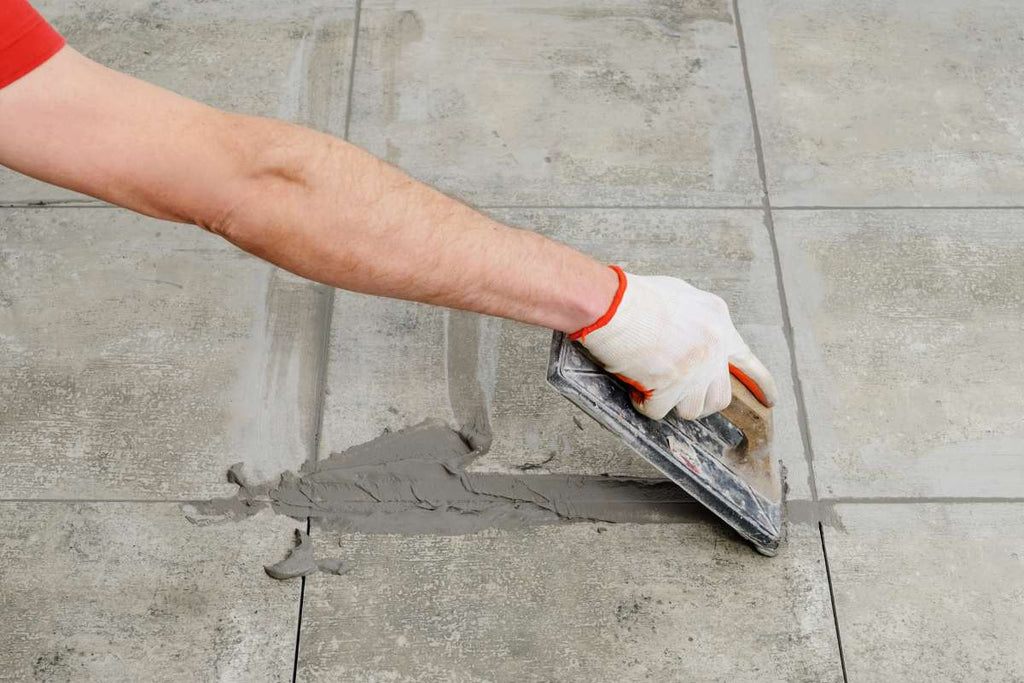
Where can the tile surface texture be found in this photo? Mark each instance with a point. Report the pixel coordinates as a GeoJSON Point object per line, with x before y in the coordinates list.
{"type": "Point", "coordinates": [908, 328]}
{"type": "Point", "coordinates": [572, 102]}
{"type": "Point", "coordinates": [930, 592]}
{"type": "Point", "coordinates": [140, 359]}
{"type": "Point", "coordinates": [670, 602]}
{"type": "Point", "coordinates": [394, 364]}
{"type": "Point", "coordinates": [288, 60]}
{"type": "Point", "coordinates": [874, 103]}
{"type": "Point", "coordinates": [132, 591]}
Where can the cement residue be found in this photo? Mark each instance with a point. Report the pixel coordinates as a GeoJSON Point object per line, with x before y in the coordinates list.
{"type": "Point", "coordinates": [416, 481]}
{"type": "Point", "coordinates": [298, 562]}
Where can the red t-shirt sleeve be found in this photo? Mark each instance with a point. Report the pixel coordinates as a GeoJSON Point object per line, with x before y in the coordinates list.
{"type": "Point", "coordinates": [26, 40]}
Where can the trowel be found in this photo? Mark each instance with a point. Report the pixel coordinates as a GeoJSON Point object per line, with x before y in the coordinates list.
{"type": "Point", "coordinates": [723, 461]}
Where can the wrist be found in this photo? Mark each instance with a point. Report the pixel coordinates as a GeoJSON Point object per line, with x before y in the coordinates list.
{"type": "Point", "coordinates": [600, 304]}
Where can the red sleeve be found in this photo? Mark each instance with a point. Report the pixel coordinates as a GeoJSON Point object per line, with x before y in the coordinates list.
{"type": "Point", "coordinates": [26, 40]}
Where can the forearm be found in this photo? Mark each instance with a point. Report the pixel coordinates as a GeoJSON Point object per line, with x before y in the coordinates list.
{"type": "Point", "coordinates": [305, 201]}
{"type": "Point", "coordinates": [331, 212]}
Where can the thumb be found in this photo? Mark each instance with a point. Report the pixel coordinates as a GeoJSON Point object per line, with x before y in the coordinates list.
{"type": "Point", "coordinates": [746, 367]}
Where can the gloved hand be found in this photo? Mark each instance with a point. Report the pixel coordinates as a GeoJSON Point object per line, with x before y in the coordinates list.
{"type": "Point", "coordinates": [675, 346]}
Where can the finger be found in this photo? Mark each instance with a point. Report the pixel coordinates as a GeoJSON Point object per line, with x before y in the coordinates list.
{"type": "Point", "coordinates": [745, 367]}
{"type": "Point", "coordinates": [691, 405]}
{"type": "Point", "coordinates": [655, 407]}
{"type": "Point", "coordinates": [718, 396]}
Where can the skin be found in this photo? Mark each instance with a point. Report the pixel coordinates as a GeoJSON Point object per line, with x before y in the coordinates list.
{"type": "Point", "coordinates": [308, 202]}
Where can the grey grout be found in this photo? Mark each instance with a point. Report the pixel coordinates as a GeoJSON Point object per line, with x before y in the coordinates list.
{"type": "Point", "coordinates": [298, 627]}
{"type": "Point", "coordinates": [57, 204]}
{"type": "Point", "coordinates": [327, 319]}
{"type": "Point", "coordinates": [89, 204]}
{"type": "Point", "coordinates": [352, 66]}
{"type": "Point", "coordinates": [899, 207]}
{"type": "Point", "coordinates": [832, 598]}
{"type": "Point", "coordinates": [769, 222]}
{"type": "Point", "coordinates": [801, 407]}
{"type": "Point", "coordinates": [630, 207]}
{"type": "Point", "coordinates": [840, 500]}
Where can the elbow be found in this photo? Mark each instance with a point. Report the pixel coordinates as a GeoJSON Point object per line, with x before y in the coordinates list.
{"type": "Point", "coordinates": [269, 172]}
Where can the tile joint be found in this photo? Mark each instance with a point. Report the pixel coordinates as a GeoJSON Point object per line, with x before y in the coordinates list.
{"type": "Point", "coordinates": [769, 222]}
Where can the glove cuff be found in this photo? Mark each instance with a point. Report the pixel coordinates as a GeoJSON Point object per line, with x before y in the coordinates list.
{"type": "Point", "coordinates": [581, 335]}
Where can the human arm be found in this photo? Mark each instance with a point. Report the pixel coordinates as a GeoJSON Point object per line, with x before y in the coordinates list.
{"type": "Point", "coordinates": [326, 210]}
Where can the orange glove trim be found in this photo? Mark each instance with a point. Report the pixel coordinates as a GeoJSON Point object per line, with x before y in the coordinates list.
{"type": "Point", "coordinates": [749, 384]}
{"type": "Point", "coordinates": [581, 335]}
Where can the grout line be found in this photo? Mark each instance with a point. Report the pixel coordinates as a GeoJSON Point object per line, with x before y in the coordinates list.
{"type": "Point", "coordinates": [57, 204]}
{"type": "Point", "coordinates": [320, 400]}
{"type": "Point", "coordinates": [769, 223]}
{"type": "Point", "coordinates": [298, 627]}
{"type": "Point", "coordinates": [84, 204]}
{"type": "Point", "coordinates": [923, 500]}
{"type": "Point", "coordinates": [899, 207]}
{"type": "Point", "coordinates": [632, 207]}
{"type": "Point", "coordinates": [892, 500]}
{"type": "Point", "coordinates": [832, 597]}
{"type": "Point", "coordinates": [156, 501]}
{"type": "Point", "coordinates": [352, 66]}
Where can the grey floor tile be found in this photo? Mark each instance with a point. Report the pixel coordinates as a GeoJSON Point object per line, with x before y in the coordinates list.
{"type": "Point", "coordinates": [575, 102]}
{"type": "Point", "coordinates": [134, 592]}
{"type": "Point", "coordinates": [289, 60]}
{"type": "Point", "coordinates": [930, 592]}
{"type": "Point", "coordinates": [674, 602]}
{"type": "Point", "coordinates": [141, 358]}
{"type": "Point", "coordinates": [394, 364]}
{"type": "Point", "coordinates": [908, 328]}
{"type": "Point", "coordinates": [880, 103]}
{"type": "Point", "coordinates": [386, 369]}
{"type": "Point", "coordinates": [724, 251]}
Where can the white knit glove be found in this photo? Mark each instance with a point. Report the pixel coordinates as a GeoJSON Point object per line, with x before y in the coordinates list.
{"type": "Point", "coordinates": [675, 346]}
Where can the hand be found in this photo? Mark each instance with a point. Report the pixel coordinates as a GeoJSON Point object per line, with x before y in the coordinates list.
{"type": "Point", "coordinates": [675, 346]}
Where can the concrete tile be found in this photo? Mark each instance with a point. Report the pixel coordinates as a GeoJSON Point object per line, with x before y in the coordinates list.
{"type": "Point", "coordinates": [930, 592]}
{"type": "Point", "coordinates": [114, 591]}
{"type": "Point", "coordinates": [724, 251]}
{"type": "Point", "coordinates": [285, 60]}
{"type": "Point", "coordinates": [908, 328]}
{"type": "Point", "coordinates": [394, 364]}
{"type": "Point", "coordinates": [141, 358]}
{"type": "Point", "coordinates": [576, 102]}
{"type": "Point", "coordinates": [880, 103]}
{"type": "Point", "coordinates": [386, 369]}
{"type": "Point", "coordinates": [673, 602]}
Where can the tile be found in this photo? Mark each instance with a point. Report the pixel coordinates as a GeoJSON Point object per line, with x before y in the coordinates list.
{"type": "Point", "coordinates": [727, 252]}
{"type": "Point", "coordinates": [908, 328]}
{"type": "Point", "coordinates": [394, 364]}
{"type": "Point", "coordinates": [285, 60]}
{"type": "Point", "coordinates": [140, 358]}
{"type": "Point", "coordinates": [930, 592]}
{"type": "Point", "coordinates": [386, 369]}
{"type": "Point", "coordinates": [671, 602]}
{"type": "Point", "coordinates": [527, 102]}
{"type": "Point", "coordinates": [132, 591]}
{"type": "Point", "coordinates": [879, 103]}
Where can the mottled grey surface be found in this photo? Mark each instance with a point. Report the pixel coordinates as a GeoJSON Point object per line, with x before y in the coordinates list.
{"type": "Point", "coordinates": [140, 359]}
{"type": "Point", "coordinates": [876, 103]}
{"type": "Point", "coordinates": [909, 328]}
{"type": "Point", "coordinates": [674, 602]}
{"type": "Point", "coordinates": [288, 60]}
{"type": "Point", "coordinates": [132, 592]}
{"type": "Point", "coordinates": [571, 102]}
{"type": "Point", "coordinates": [930, 592]}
